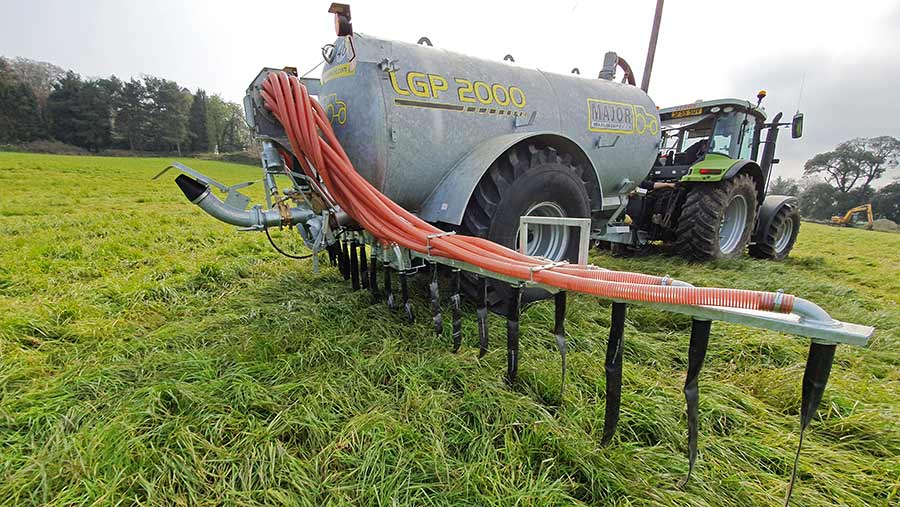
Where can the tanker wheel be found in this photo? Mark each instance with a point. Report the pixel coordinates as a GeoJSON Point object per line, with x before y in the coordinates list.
{"type": "Point", "coordinates": [779, 239]}
{"type": "Point", "coordinates": [716, 220]}
{"type": "Point", "coordinates": [527, 180]}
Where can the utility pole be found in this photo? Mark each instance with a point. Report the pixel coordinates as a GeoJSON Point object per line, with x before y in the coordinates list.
{"type": "Point", "coordinates": [651, 50]}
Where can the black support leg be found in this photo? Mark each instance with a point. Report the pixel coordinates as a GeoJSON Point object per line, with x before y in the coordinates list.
{"type": "Point", "coordinates": [344, 261]}
{"type": "Point", "coordinates": [404, 295]}
{"type": "Point", "coordinates": [363, 267]}
{"type": "Point", "coordinates": [373, 278]}
{"type": "Point", "coordinates": [696, 355]}
{"type": "Point", "coordinates": [482, 313]}
{"type": "Point", "coordinates": [354, 266]}
{"type": "Point", "coordinates": [815, 378]}
{"type": "Point", "coordinates": [613, 367]}
{"type": "Point", "coordinates": [514, 308]}
{"type": "Point", "coordinates": [435, 294]}
{"type": "Point", "coordinates": [559, 331]}
{"type": "Point", "coordinates": [332, 250]}
{"type": "Point", "coordinates": [455, 303]}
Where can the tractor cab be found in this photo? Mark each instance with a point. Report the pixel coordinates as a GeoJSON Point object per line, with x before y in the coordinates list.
{"type": "Point", "coordinates": [707, 190]}
{"type": "Point", "coordinates": [692, 133]}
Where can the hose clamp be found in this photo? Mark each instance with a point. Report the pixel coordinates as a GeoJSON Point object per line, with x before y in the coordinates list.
{"type": "Point", "coordinates": [534, 269]}
{"type": "Point", "coordinates": [778, 301]}
{"type": "Point", "coordinates": [432, 236]}
{"type": "Point", "coordinates": [666, 281]}
{"type": "Point", "coordinates": [284, 211]}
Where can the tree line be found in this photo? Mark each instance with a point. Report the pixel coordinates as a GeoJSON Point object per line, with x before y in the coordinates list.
{"type": "Point", "coordinates": [39, 100]}
{"type": "Point", "coordinates": [845, 177]}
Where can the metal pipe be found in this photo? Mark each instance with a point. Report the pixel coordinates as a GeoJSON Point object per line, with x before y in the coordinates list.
{"type": "Point", "coordinates": [651, 49]}
{"type": "Point", "coordinates": [809, 311]}
{"type": "Point", "coordinates": [434, 291]}
{"type": "Point", "coordinates": [254, 218]}
{"type": "Point", "coordinates": [455, 304]}
{"type": "Point", "coordinates": [388, 291]}
{"type": "Point", "coordinates": [404, 295]}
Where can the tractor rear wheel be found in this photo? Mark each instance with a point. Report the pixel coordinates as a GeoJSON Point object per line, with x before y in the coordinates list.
{"type": "Point", "coordinates": [528, 180]}
{"type": "Point", "coordinates": [717, 219]}
{"type": "Point", "coordinates": [776, 242]}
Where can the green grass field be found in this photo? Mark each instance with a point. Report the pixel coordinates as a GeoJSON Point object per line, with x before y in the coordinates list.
{"type": "Point", "coordinates": [151, 355]}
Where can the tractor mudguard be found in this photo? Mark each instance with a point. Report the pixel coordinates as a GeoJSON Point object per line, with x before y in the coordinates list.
{"type": "Point", "coordinates": [721, 168]}
{"type": "Point", "coordinates": [447, 202]}
{"type": "Point", "coordinates": [744, 166]}
{"type": "Point", "coordinates": [767, 211]}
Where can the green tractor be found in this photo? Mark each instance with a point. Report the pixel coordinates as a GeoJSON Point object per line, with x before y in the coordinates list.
{"type": "Point", "coordinates": [706, 193]}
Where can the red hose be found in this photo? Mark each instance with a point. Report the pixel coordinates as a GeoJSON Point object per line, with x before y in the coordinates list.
{"type": "Point", "coordinates": [321, 157]}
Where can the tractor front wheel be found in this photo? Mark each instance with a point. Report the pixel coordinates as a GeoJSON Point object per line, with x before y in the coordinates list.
{"type": "Point", "coordinates": [717, 219]}
{"type": "Point", "coordinates": [776, 242]}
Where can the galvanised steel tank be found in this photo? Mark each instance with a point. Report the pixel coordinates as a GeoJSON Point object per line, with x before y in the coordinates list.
{"type": "Point", "coordinates": [424, 124]}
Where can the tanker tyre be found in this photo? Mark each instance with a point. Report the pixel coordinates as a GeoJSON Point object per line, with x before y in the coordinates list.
{"type": "Point", "coordinates": [717, 219]}
{"type": "Point", "coordinates": [778, 241]}
{"type": "Point", "coordinates": [527, 180]}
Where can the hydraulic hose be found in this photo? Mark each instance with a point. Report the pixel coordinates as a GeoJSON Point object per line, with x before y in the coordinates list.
{"type": "Point", "coordinates": [322, 159]}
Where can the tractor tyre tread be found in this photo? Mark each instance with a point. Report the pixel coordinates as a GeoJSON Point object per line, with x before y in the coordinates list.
{"type": "Point", "coordinates": [496, 185]}
{"type": "Point", "coordinates": [697, 232]}
{"type": "Point", "coordinates": [766, 249]}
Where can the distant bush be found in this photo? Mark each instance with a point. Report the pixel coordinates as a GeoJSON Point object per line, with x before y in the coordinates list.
{"type": "Point", "coordinates": [129, 153]}
{"type": "Point", "coordinates": [883, 224]}
{"type": "Point", "coordinates": [236, 157]}
{"type": "Point", "coordinates": [58, 148]}
{"type": "Point", "coordinates": [45, 146]}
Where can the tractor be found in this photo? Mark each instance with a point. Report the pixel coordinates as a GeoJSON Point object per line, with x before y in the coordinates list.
{"type": "Point", "coordinates": [706, 192]}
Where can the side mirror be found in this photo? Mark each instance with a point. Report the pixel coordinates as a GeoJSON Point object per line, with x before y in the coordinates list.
{"type": "Point", "coordinates": [797, 126]}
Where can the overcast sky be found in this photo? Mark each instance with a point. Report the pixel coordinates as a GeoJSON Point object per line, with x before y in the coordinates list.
{"type": "Point", "coordinates": [846, 53]}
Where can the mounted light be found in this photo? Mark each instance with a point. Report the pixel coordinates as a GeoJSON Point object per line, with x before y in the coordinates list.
{"type": "Point", "coordinates": [715, 109]}
{"type": "Point", "coordinates": [342, 24]}
{"type": "Point", "coordinates": [759, 96]}
{"type": "Point", "coordinates": [710, 171]}
{"type": "Point", "coordinates": [728, 109]}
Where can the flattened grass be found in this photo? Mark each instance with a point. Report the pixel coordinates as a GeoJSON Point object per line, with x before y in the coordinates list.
{"type": "Point", "coordinates": [151, 355]}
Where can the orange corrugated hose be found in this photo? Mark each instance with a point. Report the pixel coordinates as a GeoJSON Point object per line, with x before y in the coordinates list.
{"type": "Point", "coordinates": [322, 158]}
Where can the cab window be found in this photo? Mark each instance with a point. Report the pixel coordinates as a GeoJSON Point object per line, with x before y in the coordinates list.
{"type": "Point", "coordinates": [725, 136]}
{"type": "Point", "coordinates": [693, 137]}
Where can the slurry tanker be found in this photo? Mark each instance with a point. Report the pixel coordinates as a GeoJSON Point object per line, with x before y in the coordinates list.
{"type": "Point", "coordinates": [494, 179]}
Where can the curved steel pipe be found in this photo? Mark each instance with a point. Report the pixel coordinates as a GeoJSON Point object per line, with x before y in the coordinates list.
{"type": "Point", "coordinates": [809, 311]}
{"type": "Point", "coordinates": [255, 218]}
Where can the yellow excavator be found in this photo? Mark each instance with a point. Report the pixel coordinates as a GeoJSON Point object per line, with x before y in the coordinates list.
{"type": "Point", "coordinates": [844, 221]}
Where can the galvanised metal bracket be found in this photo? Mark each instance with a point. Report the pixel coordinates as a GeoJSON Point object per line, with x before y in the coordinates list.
{"type": "Point", "coordinates": [583, 225]}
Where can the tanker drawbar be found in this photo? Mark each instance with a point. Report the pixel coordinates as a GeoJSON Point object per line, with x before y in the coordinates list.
{"type": "Point", "coordinates": [402, 138]}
